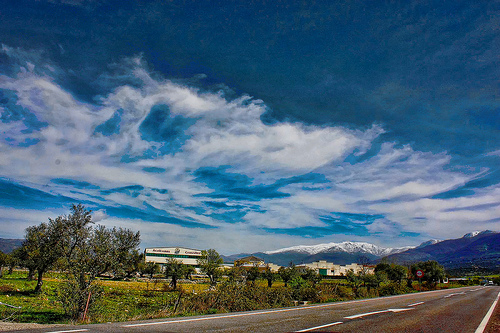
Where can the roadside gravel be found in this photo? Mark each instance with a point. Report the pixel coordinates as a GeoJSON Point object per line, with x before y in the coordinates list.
{"type": "Point", "coordinates": [8, 327]}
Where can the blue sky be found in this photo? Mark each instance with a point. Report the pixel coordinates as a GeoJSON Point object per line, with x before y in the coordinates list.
{"type": "Point", "coordinates": [247, 126]}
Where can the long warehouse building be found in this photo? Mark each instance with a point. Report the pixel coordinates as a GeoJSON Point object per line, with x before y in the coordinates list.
{"type": "Point", "coordinates": [160, 255]}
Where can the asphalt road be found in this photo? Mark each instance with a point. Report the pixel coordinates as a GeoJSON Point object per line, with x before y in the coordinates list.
{"type": "Point", "coordinates": [454, 310]}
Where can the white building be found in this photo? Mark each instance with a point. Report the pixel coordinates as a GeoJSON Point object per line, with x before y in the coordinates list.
{"type": "Point", "coordinates": [160, 255]}
{"type": "Point", "coordinates": [325, 268]}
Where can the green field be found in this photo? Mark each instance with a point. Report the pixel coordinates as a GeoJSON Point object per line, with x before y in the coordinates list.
{"type": "Point", "coordinates": [146, 299]}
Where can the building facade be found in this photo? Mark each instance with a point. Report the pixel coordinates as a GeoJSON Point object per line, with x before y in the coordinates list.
{"type": "Point", "coordinates": [325, 268]}
{"type": "Point", "coordinates": [161, 255]}
{"type": "Point", "coordinates": [253, 261]}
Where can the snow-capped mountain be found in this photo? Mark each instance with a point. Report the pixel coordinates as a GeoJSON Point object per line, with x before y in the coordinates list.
{"type": "Point", "coordinates": [429, 242]}
{"type": "Point", "coordinates": [348, 247]}
{"type": "Point", "coordinates": [471, 234]}
{"type": "Point", "coordinates": [477, 251]}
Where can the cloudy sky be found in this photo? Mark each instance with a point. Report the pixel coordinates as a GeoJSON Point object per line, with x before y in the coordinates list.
{"type": "Point", "coordinates": [252, 125]}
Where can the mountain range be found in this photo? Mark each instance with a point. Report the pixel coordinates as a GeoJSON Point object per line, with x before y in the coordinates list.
{"type": "Point", "coordinates": [339, 253]}
{"type": "Point", "coordinates": [474, 252]}
{"type": "Point", "coordinates": [7, 245]}
{"type": "Point", "coordinates": [477, 251]}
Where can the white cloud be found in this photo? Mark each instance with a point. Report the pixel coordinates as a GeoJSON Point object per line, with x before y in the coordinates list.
{"type": "Point", "coordinates": [225, 133]}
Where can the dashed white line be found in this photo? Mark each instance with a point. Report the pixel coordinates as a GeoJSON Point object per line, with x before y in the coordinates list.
{"type": "Point", "coordinates": [415, 304]}
{"type": "Point", "coordinates": [365, 314]}
{"type": "Point", "coordinates": [70, 331]}
{"type": "Point", "coordinates": [322, 326]}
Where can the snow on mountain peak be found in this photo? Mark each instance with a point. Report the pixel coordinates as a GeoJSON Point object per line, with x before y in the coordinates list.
{"type": "Point", "coordinates": [429, 242]}
{"type": "Point", "coordinates": [475, 233]}
{"type": "Point", "coordinates": [349, 247]}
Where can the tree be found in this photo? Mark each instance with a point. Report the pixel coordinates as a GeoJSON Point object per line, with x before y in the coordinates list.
{"type": "Point", "coordinates": [43, 246]}
{"type": "Point", "coordinates": [85, 255]}
{"type": "Point", "coordinates": [189, 271]}
{"type": "Point", "coordinates": [150, 268]}
{"type": "Point", "coordinates": [269, 275]}
{"type": "Point", "coordinates": [433, 272]}
{"type": "Point", "coordinates": [125, 255]}
{"type": "Point", "coordinates": [253, 274]}
{"type": "Point", "coordinates": [20, 257]}
{"type": "Point", "coordinates": [12, 261]}
{"type": "Point", "coordinates": [311, 275]}
{"type": "Point", "coordinates": [355, 280]}
{"type": "Point", "coordinates": [288, 273]}
{"type": "Point", "coordinates": [210, 263]}
{"type": "Point", "coordinates": [175, 270]}
{"type": "Point", "coordinates": [3, 261]}
{"type": "Point", "coordinates": [236, 274]}
{"type": "Point", "coordinates": [395, 273]}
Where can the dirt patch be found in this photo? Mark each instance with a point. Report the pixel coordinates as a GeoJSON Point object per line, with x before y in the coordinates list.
{"type": "Point", "coordinates": [4, 327]}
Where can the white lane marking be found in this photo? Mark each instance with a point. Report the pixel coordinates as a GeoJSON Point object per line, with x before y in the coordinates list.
{"type": "Point", "coordinates": [375, 312]}
{"type": "Point", "coordinates": [82, 330]}
{"type": "Point", "coordinates": [484, 322]}
{"type": "Point", "coordinates": [414, 304]}
{"type": "Point", "coordinates": [365, 314]}
{"type": "Point", "coordinates": [322, 326]}
{"type": "Point", "coordinates": [399, 310]}
{"type": "Point", "coordinates": [279, 310]}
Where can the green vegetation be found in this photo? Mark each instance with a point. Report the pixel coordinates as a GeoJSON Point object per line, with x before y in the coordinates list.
{"type": "Point", "coordinates": [83, 252]}
{"type": "Point", "coordinates": [155, 298]}
{"type": "Point", "coordinates": [210, 263]}
{"type": "Point", "coordinates": [80, 270]}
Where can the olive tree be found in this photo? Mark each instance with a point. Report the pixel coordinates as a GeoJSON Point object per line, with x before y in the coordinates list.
{"type": "Point", "coordinates": [210, 262]}
{"type": "Point", "coordinates": [43, 247]}
{"type": "Point", "coordinates": [175, 270]}
{"type": "Point", "coordinates": [81, 250]}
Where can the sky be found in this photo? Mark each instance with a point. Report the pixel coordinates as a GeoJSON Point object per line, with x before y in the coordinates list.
{"type": "Point", "coordinates": [248, 126]}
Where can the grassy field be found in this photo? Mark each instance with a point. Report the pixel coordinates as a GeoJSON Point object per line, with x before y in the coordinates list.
{"type": "Point", "coordinates": [146, 299]}
{"type": "Point", "coordinates": [121, 300]}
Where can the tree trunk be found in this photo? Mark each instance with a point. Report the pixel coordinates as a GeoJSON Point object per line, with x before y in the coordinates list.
{"type": "Point", "coordinates": [39, 282]}
{"type": "Point", "coordinates": [31, 273]}
{"type": "Point", "coordinates": [174, 282]}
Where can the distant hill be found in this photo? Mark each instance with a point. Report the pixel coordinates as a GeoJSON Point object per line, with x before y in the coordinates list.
{"type": "Point", "coordinates": [8, 245]}
{"type": "Point", "coordinates": [474, 252]}
{"type": "Point", "coordinates": [477, 252]}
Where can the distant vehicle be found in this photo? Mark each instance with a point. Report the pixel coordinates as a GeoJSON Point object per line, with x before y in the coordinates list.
{"type": "Point", "coordinates": [490, 283]}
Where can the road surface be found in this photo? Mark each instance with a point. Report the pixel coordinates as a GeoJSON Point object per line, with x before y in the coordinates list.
{"type": "Point", "coordinates": [453, 310]}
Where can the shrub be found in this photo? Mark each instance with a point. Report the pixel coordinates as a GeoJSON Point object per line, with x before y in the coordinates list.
{"type": "Point", "coordinates": [393, 288]}
{"type": "Point", "coordinates": [73, 299]}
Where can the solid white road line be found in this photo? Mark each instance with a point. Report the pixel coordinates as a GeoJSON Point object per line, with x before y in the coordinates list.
{"type": "Point", "coordinates": [322, 326]}
{"type": "Point", "coordinates": [486, 318]}
{"type": "Point", "coordinates": [414, 304]}
{"type": "Point", "coordinates": [70, 331]}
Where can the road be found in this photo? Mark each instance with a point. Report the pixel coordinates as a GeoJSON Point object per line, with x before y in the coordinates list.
{"type": "Point", "coordinates": [453, 310]}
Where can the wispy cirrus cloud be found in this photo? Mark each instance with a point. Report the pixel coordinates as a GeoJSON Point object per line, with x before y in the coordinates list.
{"type": "Point", "coordinates": [163, 155]}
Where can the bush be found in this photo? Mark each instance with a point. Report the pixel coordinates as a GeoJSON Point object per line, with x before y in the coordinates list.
{"type": "Point", "coordinates": [73, 299]}
{"type": "Point", "coordinates": [229, 297]}
{"type": "Point", "coordinates": [306, 293]}
{"type": "Point", "coordinates": [393, 288]}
